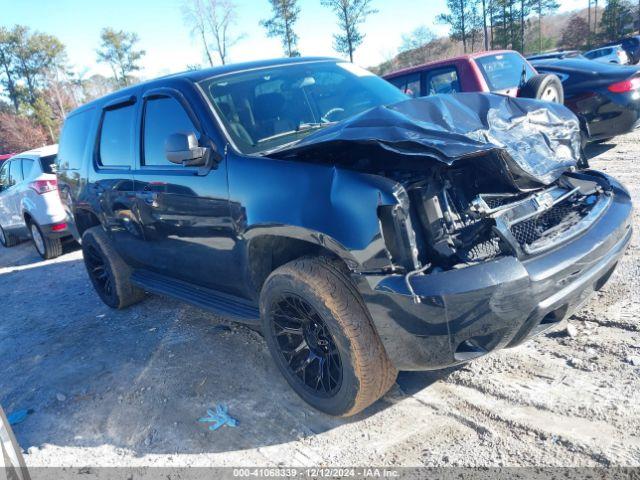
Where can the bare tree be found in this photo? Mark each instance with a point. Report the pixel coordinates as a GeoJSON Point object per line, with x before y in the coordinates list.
{"type": "Point", "coordinates": [195, 16]}
{"type": "Point", "coordinates": [416, 39]}
{"type": "Point", "coordinates": [212, 19]}
{"type": "Point", "coordinates": [285, 15]}
{"type": "Point", "coordinates": [221, 16]}
{"type": "Point", "coordinates": [351, 14]}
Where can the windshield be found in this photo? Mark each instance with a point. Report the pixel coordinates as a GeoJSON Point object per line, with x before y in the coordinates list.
{"type": "Point", "coordinates": [504, 70]}
{"type": "Point", "coordinates": [267, 108]}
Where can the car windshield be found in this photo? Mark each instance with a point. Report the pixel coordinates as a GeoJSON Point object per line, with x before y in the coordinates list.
{"type": "Point", "coordinates": [265, 109]}
{"type": "Point", "coordinates": [503, 71]}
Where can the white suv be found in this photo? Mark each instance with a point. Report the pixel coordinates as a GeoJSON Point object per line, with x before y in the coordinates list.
{"type": "Point", "coordinates": [29, 202]}
{"type": "Point", "coordinates": [614, 54]}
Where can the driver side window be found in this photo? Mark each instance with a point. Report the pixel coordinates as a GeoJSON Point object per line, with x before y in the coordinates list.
{"type": "Point", "coordinates": [162, 117]}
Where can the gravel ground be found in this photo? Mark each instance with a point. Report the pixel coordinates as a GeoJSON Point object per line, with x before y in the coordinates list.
{"type": "Point", "coordinates": [126, 388]}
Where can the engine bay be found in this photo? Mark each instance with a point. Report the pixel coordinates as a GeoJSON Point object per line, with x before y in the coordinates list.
{"type": "Point", "coordinates": [459, 220]}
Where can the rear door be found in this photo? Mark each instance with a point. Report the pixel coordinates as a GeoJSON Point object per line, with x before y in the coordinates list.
{"type": "Point", "coordinates": [183, 211]}
{"type": "Point", "coordinates": [73, 159]}
{"type": "Point", "coordinates": [111, 179]}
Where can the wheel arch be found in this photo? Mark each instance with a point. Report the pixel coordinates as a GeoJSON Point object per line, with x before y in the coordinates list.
{"type": "Point", "coordinates": [267, 250]}
{"type": "Point", "coordinates": [84, 219]}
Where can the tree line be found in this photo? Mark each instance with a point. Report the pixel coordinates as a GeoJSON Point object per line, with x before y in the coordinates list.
{"type": "Point", "coordinates": [498, 24]}
{"type": "Point", "coordinates": [518, 24]}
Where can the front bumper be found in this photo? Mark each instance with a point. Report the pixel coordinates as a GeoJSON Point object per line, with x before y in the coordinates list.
{"type": "Point", "coordinates": [469, 312]}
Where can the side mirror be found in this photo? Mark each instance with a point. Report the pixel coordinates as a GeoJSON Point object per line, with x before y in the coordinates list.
{"type": "Point", "coordinates": [182, 148]}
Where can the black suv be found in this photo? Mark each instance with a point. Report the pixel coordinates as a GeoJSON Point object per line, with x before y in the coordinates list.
{"type": "Point", "coordinates": [360, 231]}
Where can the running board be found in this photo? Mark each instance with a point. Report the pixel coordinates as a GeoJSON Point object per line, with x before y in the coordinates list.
{"type": "Point", "coordinates": [238, 309]}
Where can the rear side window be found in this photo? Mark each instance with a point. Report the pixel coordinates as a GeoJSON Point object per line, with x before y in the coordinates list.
{"type": "Point", "coordinates": [162, 117]}
{"type": "Point", "coordinates": [443, 81]}
{"type": "Point", "coordinates": [73, 141]}
{"type": "Point", "coordinates": [27, 165]}
{"type": "Point", "coordinates": [15, 172]}
{"type": "Point", "coordinates": [116, 137]}
{"type": "Point", "coordinates": [504, 71]}
{"type": "Point", "coordinates": [409, 84]}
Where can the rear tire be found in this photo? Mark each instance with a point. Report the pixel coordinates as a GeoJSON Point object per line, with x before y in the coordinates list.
{"type": "Point", "coordinates": [46, 247]}
{"type": "Point", "coordinates": [313, 316]}
{"type": "Point", "coordinates": [543, 87]}
{"type": "Point", "coordinates": [8, 240]}
{"type": "Point", "coordinates": [109, 274]}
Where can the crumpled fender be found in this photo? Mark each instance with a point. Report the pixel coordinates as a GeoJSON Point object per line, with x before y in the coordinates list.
{"type": "Point", "coordinates": [322, 204]}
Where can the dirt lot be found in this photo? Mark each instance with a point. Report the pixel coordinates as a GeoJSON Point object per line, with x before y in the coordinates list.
{"type": "Point", "coordinates": [126, 388]}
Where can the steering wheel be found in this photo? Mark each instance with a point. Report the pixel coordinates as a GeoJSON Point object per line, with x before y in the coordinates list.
{"type": "Point", "coordinates": [326, 117]}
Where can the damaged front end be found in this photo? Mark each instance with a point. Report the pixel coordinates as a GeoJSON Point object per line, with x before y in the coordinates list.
{"type": "Point", "coordinates": [460, 222]}
{"type": "Point", "coordinates": [499, 230]}
{"type": "Point", "coordinates": [478, 176]}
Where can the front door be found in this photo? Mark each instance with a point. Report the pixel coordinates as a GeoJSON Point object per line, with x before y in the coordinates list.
{"type": "Point", "coordinates": [183, 211]}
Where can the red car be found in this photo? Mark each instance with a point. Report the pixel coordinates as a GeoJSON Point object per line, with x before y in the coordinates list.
{"type": "Point", "coordinates": [499, 71]}
{"type": "Point", "coordinates": [7, 156]}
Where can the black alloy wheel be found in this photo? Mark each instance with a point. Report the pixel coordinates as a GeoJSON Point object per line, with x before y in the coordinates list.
{"type": "Point", "coordinates": [306, 345]}
{"type": "Point", "coordinates": [99, 272]}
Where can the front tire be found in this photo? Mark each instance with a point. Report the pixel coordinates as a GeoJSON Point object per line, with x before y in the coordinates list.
{"type": "Point", "coordinates": [108, 272]}
{"type": "Point", "coordinates": [322, 338]}
{"type": "Point", "coordinates": [46, 247]}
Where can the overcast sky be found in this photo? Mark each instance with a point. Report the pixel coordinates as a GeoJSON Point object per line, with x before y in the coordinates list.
{"type": "Point", "coordinates": [169, 47]}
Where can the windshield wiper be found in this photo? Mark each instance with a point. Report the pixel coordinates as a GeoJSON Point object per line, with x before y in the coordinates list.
{"type": "Point", "coordinates": [303, 127]}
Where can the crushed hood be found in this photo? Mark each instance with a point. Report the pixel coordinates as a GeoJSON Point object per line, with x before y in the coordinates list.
{"type": "Point", "coordinates": [540, 140]}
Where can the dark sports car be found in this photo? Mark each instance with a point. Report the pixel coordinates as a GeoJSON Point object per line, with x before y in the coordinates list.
{"type": "Point", "coordinates": [606, 98]}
